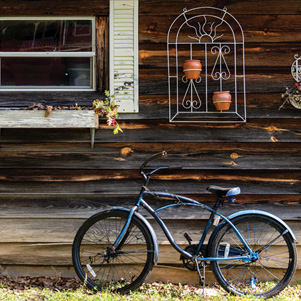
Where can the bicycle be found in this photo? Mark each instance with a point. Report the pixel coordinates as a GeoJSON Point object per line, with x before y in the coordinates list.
{"type": "Point", "coordinates": [250, 252]}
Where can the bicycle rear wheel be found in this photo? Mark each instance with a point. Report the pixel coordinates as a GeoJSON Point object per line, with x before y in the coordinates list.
{"type": "Point", "coordinates": [276, 263]}
{"type": "Point", "coordinates": [99, 266]}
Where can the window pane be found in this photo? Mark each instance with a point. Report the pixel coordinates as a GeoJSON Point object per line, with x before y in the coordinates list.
{"type": "Point", "coordinates": [46, 72]}
{"type": "Point", "coordinates": [45, 35]}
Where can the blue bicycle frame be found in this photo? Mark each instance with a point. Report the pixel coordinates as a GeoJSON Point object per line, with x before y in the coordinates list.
{"type": "Point", "coordinates": [184, 201]}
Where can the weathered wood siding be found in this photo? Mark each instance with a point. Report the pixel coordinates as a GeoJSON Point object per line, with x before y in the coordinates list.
{"type": "Point", "coordinates": [51, 180]}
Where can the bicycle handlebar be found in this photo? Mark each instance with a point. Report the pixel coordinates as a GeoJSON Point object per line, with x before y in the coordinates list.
{"type": "Point", "coordinates": [154, 157]}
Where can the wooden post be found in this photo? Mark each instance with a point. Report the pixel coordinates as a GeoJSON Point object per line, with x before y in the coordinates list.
{"type": "Point", "coordinates": [101, 33]}
{"type": "Point", "coordinates": [92, 133]}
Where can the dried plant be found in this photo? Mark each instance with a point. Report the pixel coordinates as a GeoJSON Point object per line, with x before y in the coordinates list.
{"type": "Point", "coordinates": [108, 108]}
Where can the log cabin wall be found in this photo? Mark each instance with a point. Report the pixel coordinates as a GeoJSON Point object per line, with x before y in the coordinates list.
{"type": "Point", "coordinates": [51, 180]}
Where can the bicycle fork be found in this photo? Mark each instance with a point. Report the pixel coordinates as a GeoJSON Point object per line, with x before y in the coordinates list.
{"type": "Point", "coordinates": [124, 232]}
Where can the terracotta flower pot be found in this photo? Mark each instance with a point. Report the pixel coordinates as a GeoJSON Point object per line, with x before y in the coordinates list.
{"type": "Point", "coordinates": [192, 69]}
{"type": "Point", "coordinates": [222, 100]}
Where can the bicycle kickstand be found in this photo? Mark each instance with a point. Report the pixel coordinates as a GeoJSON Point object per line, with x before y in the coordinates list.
{"type": "Point", "coordinates": [202, 278]}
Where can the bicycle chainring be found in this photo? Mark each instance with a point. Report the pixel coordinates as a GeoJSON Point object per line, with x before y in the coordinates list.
{"type": "Point", "coordinates": [188, 262]}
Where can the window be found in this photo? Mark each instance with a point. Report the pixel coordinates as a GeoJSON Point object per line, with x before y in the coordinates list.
{"type": "Point", "coordinates": [47, 54]}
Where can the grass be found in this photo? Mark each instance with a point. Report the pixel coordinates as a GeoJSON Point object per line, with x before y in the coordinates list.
{"type": "Point", "coordinates": [155, 292]}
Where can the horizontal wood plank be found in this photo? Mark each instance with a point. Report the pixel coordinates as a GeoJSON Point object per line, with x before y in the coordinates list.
{"type": "Point", "coordinates": [41, 231]}
{"type": "Point", "coordinates": [218, 158]}
{"type": "Point", "coordinates": [56, 119]}
{"type": "Point", "coordinates": [267, 80]}
{"type": "Point", "coordinates": [145, 149]}
{"type": "Point", "coordinates": [257, 55]}
{"type": "Point", "coordinates": [285, 206]}
{"type": "Point", "coordinates": [56, 8]}
{"type": "Point", "coordinates": [254, 7]}
{"type": "Point", "coordinates": [163, 131]}
{"type": "Point", "coordinates": [262, 27]}
{"type": "Point", "coordinates": [59, 255]}
{"type": "Point", "coordinates": [132, 187]}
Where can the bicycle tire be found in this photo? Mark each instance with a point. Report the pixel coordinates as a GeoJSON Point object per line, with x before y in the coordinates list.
{"type": "Point", "coordinates": [101, 268]}
{"type": "Point", "coordinates": [265, 277]}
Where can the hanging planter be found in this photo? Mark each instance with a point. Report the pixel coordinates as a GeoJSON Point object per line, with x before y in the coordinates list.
{"type": "Point", "coordinates": [222, 100]}
{"type": "Point", "coordinates": [192, 69]}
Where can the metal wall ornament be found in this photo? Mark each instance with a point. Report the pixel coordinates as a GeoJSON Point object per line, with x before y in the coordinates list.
{"type": "Point", "coordinates": [215, 38]}
{"type": "Point", "coordinates": [293, 95]}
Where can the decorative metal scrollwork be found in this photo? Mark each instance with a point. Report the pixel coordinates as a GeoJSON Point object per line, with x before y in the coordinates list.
{"type": "Point", "coordinates": [201, 32]}
{"type": "Point", "coordinates": [188, 101]}
{"type": "Point", "coordinates": [295, 100]}
{"type": "Point", "coordinates": [296, 69]}
{"type": "Point", "coordinates": [220, 62]}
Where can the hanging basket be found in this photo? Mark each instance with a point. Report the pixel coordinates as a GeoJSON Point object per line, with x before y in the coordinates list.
{"type": "Point", "coordinates": [192, 69]}
{"type": "Point", "coordinates": [222, 100]}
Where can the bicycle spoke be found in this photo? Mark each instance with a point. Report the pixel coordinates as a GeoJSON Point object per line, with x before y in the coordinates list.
{"type": "Point", "coordinates": [122, 269]}
{"type": "Point", "coordinates": [265, 275]}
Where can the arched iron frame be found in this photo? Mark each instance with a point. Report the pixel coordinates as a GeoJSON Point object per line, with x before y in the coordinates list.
{"type": "Point", "coordinates": [192, 107]}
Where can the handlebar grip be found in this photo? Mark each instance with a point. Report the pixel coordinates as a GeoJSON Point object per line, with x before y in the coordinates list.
{"type": "Point", "coordinates": [154, 157]}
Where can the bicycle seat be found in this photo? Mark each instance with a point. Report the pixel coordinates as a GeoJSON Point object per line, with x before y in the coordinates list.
{"type": "Point", "coordinates": [223, 192]}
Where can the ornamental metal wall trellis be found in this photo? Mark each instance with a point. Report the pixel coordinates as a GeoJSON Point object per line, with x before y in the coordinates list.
{"type": "Point", "coordinates": [296, 68]}
{"type": "Point", "coordinates": [216, 38]}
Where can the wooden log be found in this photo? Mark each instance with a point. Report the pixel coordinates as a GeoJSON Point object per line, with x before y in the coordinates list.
{"type": "Point", "coordinates": [259, 55]}
{"type": "Point", "coordinates": [89, 204]}
{"type": "Point", "coordinates": [256, 130]}
{"type": "Point", "coordinates": [43, 7]}
{"type": "Point", "coordinates": [262, 27]}
{"type": "Point", "coordinates": [82, 207]}
{"type": "Point", "coordinates": [57, 8]}
{"type": "Point", "coordinates": [262, 80]}
{"type": "Point", "coordinates": [132, 186]}
{"type": "Point", "coordinates": [177, 151]}
{"type": "Point", "coordinates": [256, 102]}
{"type": "Point", "coordinates": [256, 7]}
{"type": "Point", "coordinates": [231, 159]}
{"type": "Point", "coordinates": [40, 231]}
{"type": "Point", "coordinates": [59, 255]}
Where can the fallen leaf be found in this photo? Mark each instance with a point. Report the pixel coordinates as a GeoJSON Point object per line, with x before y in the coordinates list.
{"type": "Point", "coordinates": [126, 151]}
{"type": "Point", "coordinates": [274, 139]}
{"type": "Point", "coordinates": [234, 156]}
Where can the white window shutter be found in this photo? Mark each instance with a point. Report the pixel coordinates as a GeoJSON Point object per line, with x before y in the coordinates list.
{"type": "Point", "coordinates": [124, 54]}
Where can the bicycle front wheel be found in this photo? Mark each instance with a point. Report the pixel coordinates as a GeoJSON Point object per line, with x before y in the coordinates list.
{"type": "Point", "coordinates": [99, 266]}
{"type": "Point", "coordinates": [277, 256]}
